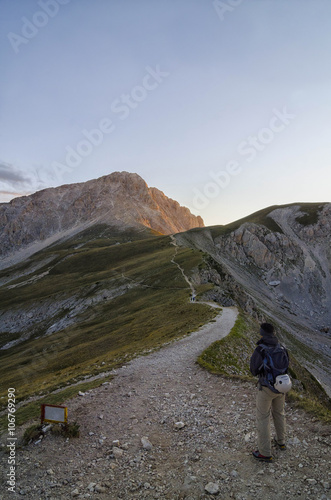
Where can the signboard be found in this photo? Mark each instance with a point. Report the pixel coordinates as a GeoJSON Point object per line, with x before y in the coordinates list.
{"type": "Point", "coordinates": [54, 414]}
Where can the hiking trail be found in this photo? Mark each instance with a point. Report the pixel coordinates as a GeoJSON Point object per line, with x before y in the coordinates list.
{"type": "Point", "coordinates": [164, 428]}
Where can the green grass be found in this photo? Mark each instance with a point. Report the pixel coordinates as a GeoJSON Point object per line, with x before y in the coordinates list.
{"type": "Point", "coordinates": [230, 357]}
{"type": "Point", "coordinates": [32, 411]}
{"type": "Point", "coordinates": [262, 218]}
{"type": "Point", "coordinates": [311, 212]}
{"type": "Point", "coordinates": [154, 310]}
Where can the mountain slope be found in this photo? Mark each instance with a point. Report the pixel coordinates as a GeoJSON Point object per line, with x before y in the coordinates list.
{"type": "Point", "coordinates": [91, 302]}
{"type": "Point", "coordinates": [120, 199]}
{"type": "Point", "coordinates": [276, 263]}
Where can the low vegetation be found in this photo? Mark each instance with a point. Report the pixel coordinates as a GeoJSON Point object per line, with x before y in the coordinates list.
{"type": "Point", "coordinates": [32, 410]}
{"type": "Point", "coordinates": [230, 357]}
{"type": "Point", "coordinates": [33, 433]}
{"type": "Point", "coordinates": [310, 216]}
{"type": "Point", "coordinates": [153, 309]}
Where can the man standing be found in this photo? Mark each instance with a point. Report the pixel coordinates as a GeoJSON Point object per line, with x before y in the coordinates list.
{"type": "Point", "coordinates": [268, 400]}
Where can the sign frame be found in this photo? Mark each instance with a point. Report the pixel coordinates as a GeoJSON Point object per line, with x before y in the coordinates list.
{"type": "Point", "coordinates": [53, 421]}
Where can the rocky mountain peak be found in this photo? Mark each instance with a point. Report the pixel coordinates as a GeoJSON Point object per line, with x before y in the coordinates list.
{"type": "Point", "coordinates": [121, 198]}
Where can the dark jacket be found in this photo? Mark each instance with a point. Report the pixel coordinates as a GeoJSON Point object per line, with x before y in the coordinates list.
{"type": "Point", "coordinates": [257, 358]}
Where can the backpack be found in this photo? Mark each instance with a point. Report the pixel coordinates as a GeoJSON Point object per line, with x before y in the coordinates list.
{"type": "Point", "coordinates": [275, 364]}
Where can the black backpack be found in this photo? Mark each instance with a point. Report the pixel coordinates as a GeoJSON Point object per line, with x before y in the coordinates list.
{"type": "Point", "coordinates": [275, 362]}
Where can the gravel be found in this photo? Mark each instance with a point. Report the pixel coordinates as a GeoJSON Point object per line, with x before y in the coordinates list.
{"type": "Point", "coordinates": [136, 451]}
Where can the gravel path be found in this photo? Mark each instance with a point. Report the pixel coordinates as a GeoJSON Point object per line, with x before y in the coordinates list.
{"type": "Point", "coordinates": [166, 429]}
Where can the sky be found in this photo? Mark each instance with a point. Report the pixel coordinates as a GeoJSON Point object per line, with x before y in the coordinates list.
{"type": "Point", "coordinates": [224, 105]}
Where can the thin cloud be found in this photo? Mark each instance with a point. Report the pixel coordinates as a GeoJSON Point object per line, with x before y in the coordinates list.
{"type": "Point", "coordinates": [12, 176]}
{"type": "Point", "coordinates": [7, 196]}
{"type": "Point", "coordinates": [13, 182]}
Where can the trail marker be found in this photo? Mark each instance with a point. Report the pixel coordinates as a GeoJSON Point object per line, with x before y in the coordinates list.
{"type": "Point", "coordinates": [54, 414]}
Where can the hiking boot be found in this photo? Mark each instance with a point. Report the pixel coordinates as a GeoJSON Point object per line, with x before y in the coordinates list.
{"type": "Point", "coordinates": [280, 446]}
{"type": "Point", "coordinates": [256, 454]}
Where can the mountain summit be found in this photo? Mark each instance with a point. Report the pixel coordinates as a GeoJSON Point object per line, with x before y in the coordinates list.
{"type": "Point", "coordinates": [120, 199]}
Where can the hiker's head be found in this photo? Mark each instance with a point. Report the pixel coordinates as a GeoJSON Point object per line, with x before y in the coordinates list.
{"type": "Point", "coordinates": [267, 330]}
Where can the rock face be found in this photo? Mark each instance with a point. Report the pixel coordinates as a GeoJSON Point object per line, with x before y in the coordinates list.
{"type": "Point", "coordinates": [297, 258]}
{"type": "Point", "coordinates": [276, 267]}
{"type": "Point", "coordinates": [120, 198]}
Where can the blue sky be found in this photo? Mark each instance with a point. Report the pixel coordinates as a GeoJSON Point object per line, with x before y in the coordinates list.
{"type": "Point", "coordinates": [224, 105]}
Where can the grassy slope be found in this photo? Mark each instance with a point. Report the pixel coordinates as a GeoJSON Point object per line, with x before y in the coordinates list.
{"type": "Point", "coordinates": [230, 357]}
{"type": "Point", "coordinates": [261, 217]}
{"type": "Point", "coordinates": [151, 313]}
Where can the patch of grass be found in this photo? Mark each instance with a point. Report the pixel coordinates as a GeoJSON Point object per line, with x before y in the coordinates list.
{"type": "Point", "coordinates": [307, 392]}
{"type": "Point", "coordinates": [32, 433]}
{"type": "Point", "coordinates": [230, 357]}
{"type": "Point", "coordinates": [202, 289]}
{"type": "Point", "coordinates": [68, 430]}
{"type": "Point", "coordinates": [311, 212]}
{"type": "Point", "coordinates": [262, 218]}
{"type": "Point", "coordinates": [154, 309]}
{"type": "Point", "coordinates": [311, 405]}
{"type": "Point", "coordinates": [32, 410]}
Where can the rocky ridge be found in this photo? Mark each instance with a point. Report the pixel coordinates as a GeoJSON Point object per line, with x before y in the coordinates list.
{"type": "Point", "coordinates": [121, 199]}
{"type": "Point", "coordinates": [280, 266]}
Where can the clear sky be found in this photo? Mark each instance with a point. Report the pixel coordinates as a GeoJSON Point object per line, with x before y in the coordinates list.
{"type": "Point", "coordinates": [223, 105]}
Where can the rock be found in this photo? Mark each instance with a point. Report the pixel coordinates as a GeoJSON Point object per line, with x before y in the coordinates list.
{"type": "Point", "coordinates": [50, 472]}
{"type": "Point", "coordinates": [46, 428]}
{"type": "Point", "coordinates": [80, 393]}
{"type": "Point", "coordinates": [117, 452]}
{"type": "Point", "coordinates": [119, 196]}
{"type": "Point", "coordinates": [101, 417]}
{"type": "Point", "coordinates": [294, 441]}
{"type": "Point", "coordinates": [146, 444]}
{"type": "Point", "coordinates": [274, 283]}
{"type": "Point", "coordinates": [100, 489]}
{"type": "Point", "coordinates": [75, 493]}
{"type": "Point", "coordinates": [91, 486]}
{"type": "Point", "coordinates": [248, 436]}
{"type": "Point", "coordinates": [212, 488]}
{"type": "Point", "coordinates": [179, 425]}
{"type": "Point", "coordinates": [312, 482]}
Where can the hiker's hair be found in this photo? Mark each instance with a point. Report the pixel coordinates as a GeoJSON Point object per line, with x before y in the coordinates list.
{"type": "Point", "coordinates": [267, 327]}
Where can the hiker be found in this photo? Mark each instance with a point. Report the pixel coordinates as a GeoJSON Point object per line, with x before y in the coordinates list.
{"type": "Point", "coordinates": [268, 398]}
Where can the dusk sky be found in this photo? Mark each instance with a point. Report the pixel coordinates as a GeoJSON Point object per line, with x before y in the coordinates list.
{"type": "Point", "coordinates": [223, 105]}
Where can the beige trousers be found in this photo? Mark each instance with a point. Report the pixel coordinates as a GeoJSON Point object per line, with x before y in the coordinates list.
{"type": "Point", "coordinates": [266, 402]}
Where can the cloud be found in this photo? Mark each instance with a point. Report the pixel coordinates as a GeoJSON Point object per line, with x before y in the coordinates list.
{"type": "Point", "coordinates": [16, 182]}
{"type": "Point", "coordinates": [13, 182]}
{"type": "Point", "coordinates": [12, 176]}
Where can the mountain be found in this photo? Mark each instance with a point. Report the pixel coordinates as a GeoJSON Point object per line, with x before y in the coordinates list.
{"type": "Point", "coordinates": [120, 199]}
{"type": "Point", "coordinates": [276, 263]}
{"type": "Point", "coordinates": [97, 284]}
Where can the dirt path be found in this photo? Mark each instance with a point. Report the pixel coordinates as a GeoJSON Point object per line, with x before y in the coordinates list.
{"type": "Point", "coordinates": [201, 429]}
{"type": "Point", "coordinates": [188, 281]}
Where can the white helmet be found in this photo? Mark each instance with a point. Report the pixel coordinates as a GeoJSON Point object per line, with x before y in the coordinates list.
{"type": "Point", "coordinates": [283, 383]}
